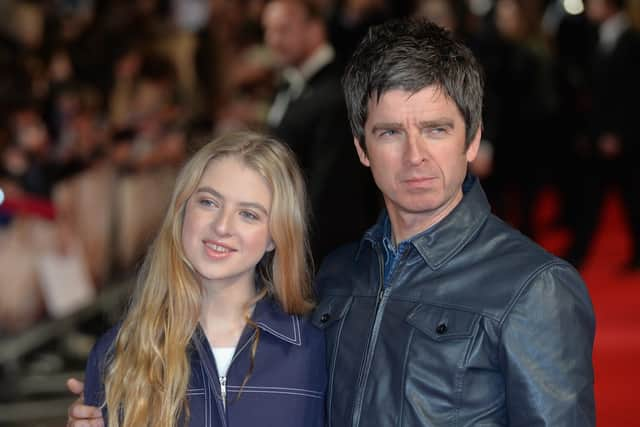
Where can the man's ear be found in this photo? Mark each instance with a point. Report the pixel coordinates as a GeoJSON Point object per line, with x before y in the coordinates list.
{"type": "Point", "coordinates": [472, 149]}
{"type": "Point", "coordinates": [362, 155]}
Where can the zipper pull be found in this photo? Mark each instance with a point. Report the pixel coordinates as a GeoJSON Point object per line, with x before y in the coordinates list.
{"type": "Point", "coordinates": [223, 390]}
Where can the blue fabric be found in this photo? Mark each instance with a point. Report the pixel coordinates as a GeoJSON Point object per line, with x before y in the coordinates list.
{"type": "Point", "coordinates": [391, 253]}
{"type": "Point", "coordinates": [286, 387]}
{"type": "Point", "coordinates": [479, 326]}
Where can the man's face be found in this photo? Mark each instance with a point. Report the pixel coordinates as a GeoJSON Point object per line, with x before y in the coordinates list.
{"type": "Point", "coordinates": [598, 10]}
{"type": "Point", "coordinates": [416, 151]}
{"type": "Point", "coordinates": [285, 30]}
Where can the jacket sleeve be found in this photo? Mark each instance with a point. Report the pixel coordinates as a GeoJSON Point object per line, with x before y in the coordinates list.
{"type": "Point", "coordinates": [94, 393]}
{"type": "Point", "coordinates": [546, 351]}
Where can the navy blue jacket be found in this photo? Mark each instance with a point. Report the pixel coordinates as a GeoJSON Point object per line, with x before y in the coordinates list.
{"type": "Point", "coordinates": [286, 388]}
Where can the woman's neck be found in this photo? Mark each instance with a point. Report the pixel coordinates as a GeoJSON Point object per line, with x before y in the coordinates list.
{"type": "Point", "coordinates": [224, 312]}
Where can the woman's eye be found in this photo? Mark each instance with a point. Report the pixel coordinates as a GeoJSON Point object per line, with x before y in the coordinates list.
{"type": "Point", "coordinates": [208, 203]}
{"type": "Point", "coordinates": [249, 215]}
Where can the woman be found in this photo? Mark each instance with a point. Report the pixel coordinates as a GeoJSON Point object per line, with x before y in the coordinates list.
{"type": "Point", "coordinates": [215, 334]}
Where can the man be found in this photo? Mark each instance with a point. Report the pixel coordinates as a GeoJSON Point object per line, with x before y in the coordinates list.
{"type": "Point", "coordinates": [309, 114]}
{"type": "Point", "coordinates": [613, 148]}
{"type": "Point", "coordinates": [442, 314]}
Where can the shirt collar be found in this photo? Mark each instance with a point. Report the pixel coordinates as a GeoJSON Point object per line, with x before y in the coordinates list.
{"type": "Point", "coordinates": [297, 77]}
{"type": "Point", "coordinates": [445, 238]}
{"type": "Point", "coordinates": [271, 319]}
{"type": "Point", "coordinates": [611, 30]}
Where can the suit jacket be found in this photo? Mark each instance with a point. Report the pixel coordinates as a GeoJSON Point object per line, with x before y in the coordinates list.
{"type": "Point", "coordinates": [342, 193]}
{"type": "Point", "coordinates": [616, 90]}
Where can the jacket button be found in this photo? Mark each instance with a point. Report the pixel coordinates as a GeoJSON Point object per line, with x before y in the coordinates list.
{"type": "Point", "coordinates": [441, 329]}
{"type": "Point", "coordinates": [325, 317]}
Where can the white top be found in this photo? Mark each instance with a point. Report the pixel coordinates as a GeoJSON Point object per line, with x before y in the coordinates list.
{"type": "Point", "coordinates": [223, 356]}
{"type": "Point", "coordinates": [611, 30]}
{"type": "Point", "coordinates": [297, 79]}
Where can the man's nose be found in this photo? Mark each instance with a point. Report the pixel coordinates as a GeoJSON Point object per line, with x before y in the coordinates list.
{"type": "Point", "coordinates": [415, 149]}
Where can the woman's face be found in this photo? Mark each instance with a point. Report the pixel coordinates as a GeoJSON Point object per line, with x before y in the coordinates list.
{"type": "Point", "coordinates": [226, 223]}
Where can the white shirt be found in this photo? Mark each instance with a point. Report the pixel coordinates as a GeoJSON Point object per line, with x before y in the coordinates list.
{"type": "Point", "coordinates": [223, 356]}
{"type": "Point", "coordinates": [297, 79]}
{"type": "Point", "coordinates": [611, 30]}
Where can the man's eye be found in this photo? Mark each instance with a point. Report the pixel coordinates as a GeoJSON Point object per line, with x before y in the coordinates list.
{"type": "Point", "coordinates": [388, 132]}
{"type": "Point", "coordinates": [249, 215]}
{"type": "Point", "coordinates": [438, 131]}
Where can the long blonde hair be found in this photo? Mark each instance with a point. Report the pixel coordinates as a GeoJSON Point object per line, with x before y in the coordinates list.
{"type": "Point", "coordinates": [149, 371]}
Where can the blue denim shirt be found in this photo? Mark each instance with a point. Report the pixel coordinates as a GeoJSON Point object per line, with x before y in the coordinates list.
{"type": "Point", "coordinates": [391, 252]}
{"type": "Point", "coordinates": [286, 387]}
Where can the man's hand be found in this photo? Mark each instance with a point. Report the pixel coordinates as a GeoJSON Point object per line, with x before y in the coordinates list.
{"type": "Point", "coordinates": [81, 415]}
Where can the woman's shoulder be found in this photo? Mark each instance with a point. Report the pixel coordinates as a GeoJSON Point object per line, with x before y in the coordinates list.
{"type": "Point", "coordinates": [96, 365]}
{"type": "Point", "coordinates": [106, 340]}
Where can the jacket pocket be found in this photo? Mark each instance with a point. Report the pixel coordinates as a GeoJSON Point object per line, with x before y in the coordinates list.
{"type": "Point", "coordinates": [442, 324]}
{"type": "Point", "coordinates": [435, 365]}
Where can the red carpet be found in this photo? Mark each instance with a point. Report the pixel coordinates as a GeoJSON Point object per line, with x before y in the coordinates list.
{"type": "Point", "coordinates": [616, 298]}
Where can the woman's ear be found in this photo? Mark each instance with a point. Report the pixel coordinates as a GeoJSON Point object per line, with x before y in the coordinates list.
{"type": "Point", "coordinates": [270, 245]}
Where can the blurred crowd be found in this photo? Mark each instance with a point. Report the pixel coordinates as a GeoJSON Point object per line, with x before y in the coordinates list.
{"type": "Point", "coordinates": [101, 101]}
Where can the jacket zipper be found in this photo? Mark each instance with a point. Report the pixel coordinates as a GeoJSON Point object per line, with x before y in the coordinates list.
{"type": "Point", "coordinates": [373, 338]}
{"type": "Point", "coordinates": [223, 379]}
{"type": "Point", "coordinates": [213, 375]}
{"type": "Point", "coordinates": [223, 391]}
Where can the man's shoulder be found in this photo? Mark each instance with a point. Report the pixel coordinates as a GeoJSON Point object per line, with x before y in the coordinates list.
{"type": "Point", "coordinates": [517, 254]}
{"type": "Point", "coordinates": [512, 243]}
{"type": "Point", "coordinates": [340, 258]}
{"type": "Point", "coordinates": [338, 265]}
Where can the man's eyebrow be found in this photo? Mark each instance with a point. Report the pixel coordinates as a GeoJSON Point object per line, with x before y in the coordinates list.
{"type": "Point", "coordinates": [440, 122]}
{"type": "Point", "coordinates": [218, 195]}
{"type": "Point", "coordinates": [386, 126]}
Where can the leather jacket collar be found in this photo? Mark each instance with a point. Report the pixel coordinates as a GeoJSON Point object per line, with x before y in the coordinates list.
{"type": "Point", "coordinates": [447, 237]}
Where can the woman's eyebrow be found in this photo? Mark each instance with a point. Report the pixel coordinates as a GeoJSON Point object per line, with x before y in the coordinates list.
{"type": "Point", "coordinates": [218, 195]}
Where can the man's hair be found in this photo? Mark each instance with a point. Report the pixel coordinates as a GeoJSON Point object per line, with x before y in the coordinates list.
{"type": "Point", "coordinates": [310, 8]}
{"type": "Point", "coordinates": [411, 55]}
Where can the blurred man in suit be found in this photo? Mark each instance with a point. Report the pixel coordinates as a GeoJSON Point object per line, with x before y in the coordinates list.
{"type": "Point", "coordinates": [614, 144]}
{"type": "Point", "coordinates": [309, 114]}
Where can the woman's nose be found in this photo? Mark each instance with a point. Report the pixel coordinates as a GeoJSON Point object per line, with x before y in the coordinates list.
{"type": "Point", "coordinates": [222, 223]}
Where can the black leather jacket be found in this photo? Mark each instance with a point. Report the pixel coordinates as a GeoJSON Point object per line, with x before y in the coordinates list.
{"type": "Point", "coordinates": [478, 327]}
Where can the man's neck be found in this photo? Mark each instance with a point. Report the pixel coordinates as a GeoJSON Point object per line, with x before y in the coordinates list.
{"type": "Point", "coordinates": [405, 225]}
